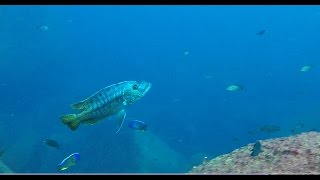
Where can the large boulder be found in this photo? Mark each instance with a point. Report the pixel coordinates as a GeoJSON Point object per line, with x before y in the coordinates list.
{"type": "Point", "coordinates": [4, 168]}
{"type": "Point", "coordinates": [156, 156]}
{"type": "Point", "coordinates": [298, 154]}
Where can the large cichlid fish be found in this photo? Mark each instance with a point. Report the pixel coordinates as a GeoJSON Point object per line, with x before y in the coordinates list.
{"type": "Point", "coordinates": [107, 102]}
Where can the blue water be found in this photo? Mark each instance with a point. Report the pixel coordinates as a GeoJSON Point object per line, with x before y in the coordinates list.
{"type": "Point", "coordinates": [189, 112]}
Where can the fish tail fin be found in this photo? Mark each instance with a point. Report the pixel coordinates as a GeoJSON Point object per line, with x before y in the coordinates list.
{"type": "Point", "coordinates": [70, 120]}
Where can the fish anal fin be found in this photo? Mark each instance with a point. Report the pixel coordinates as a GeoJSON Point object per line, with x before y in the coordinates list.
{"type": "Point", "coordinates": [120, 116]}
{"type": "Point", "coordinates": [91, 121]}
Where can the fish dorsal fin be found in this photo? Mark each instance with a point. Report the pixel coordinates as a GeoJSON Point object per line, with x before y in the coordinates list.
{"type": "Point", "coordinates": [89, 102]}
{"type": "Point", "coordinates": [107, 93]}
{"type": "Point", "coordinates": [120, 116]}
{"type": "Point", "coordinates": [80, 105]}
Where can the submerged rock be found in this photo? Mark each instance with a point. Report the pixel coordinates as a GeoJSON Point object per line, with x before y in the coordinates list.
{"type": "Point", "coordinates": [4, 168]}
{"type": "Point", "coordinates": [156, 156]}
{"type": "Point", "coordinates": [298, 154]}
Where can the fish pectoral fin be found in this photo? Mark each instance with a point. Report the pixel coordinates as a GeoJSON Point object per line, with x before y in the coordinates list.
{"type": "Point", "coordinates": [120, 116]}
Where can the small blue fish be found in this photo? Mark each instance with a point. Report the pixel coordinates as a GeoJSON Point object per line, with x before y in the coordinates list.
{"type": "Point", "coordinates": [137, 125]}
{"type": "Point", "coordinates": [69, 161]}
{"type": "Point", "coordinates": [260, 33]}
{"type": "Point", "coordinates": [43, 28]}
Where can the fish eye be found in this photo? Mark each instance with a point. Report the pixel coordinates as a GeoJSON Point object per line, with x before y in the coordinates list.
{"type": "Point", "coordinates": [135, 87]}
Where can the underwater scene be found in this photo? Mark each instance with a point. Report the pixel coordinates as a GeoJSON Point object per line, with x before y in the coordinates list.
{"type": "Point", "coordinates": [159, 89]}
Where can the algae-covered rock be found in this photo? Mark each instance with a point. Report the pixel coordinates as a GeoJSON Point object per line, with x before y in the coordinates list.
{"type": "Point", "coordinates": [21, 152]}
{"type": "Point", "coordinates": [298, 154]}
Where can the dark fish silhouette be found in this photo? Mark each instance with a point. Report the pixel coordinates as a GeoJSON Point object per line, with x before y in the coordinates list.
{"type": "Point", "coordinates": [52, 143]}
{"type": "Point", "coordinates": [256, 150]}
{"type": "Point", "coordinates": [260, 33]}
{"type": "Point", "coordinates": [270, 128]}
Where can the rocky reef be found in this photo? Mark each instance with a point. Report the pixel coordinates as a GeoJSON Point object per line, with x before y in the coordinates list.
{"type": "Point", "coordinates": [298, 154]}
{"type": "Point", "coordinates": [4, 168]}
{"type": "Point", "coordinates": [156, 156]}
